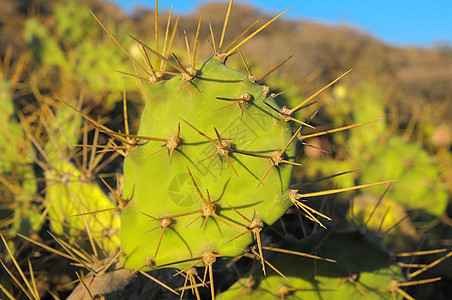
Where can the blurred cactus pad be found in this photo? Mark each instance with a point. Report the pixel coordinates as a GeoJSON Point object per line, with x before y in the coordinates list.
{"type": "Point", "coordinates": [71, 48]}
{"type": "Point", "coordinates": [381, 153]}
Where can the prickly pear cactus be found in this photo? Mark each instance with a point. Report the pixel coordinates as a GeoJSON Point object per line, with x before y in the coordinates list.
{"type": "Point", "coordinates": [419, 184]}
{"type": "Point", "coordinates": [74, 23]}
{"type": "Point", "coordinates": [72, 195]}
{"type": "Point", "coordinates": [221, 171]}
{"type": "Point", "coordinates": [387, 155]}
{"type": "Point", "coordinates": [73, 48]}
{"type": "Point", "coordinates": [358, 267]}
{"type": "Point", "coordinates": [16, 173]}
{"type": "Point", "coordinates": [210, 164]}
{"type": "Point", "coordinates": [206, 177]}
{"type": "Point", "coordinates": [383, 154]}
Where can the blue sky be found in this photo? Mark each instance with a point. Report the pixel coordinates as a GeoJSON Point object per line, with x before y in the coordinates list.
{"type": "Point", "coordinates": [398, 22]}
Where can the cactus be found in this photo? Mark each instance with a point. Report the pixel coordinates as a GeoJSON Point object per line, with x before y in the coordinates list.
{"type": "Point", "coordinates": [72, 51]}
{"type": "Point", "coordinates": [69, 196]}
{"type": "Point", "coordinates": [72, 190]}
{"type": "Point", "coordinates": [223, 157]}
{"type": "Point", "coordinates": [210, 165]}
{"type": "Point", "coordinates": [385, 155]}
{"type": "Point", "coordinates": [227, 167]}
{"type": "Point", "coordinates": [47, 51]}
{"type": "Point", "coordinates": [74, 24]}
{"type": "Point", "coordinates": [357, 267]}
{"type": "Point", "coordinates": [16, 173]}
{"type": "Point", "coordinates": [419, 185]}
{"type": "Point", "coordinates": [208, 171]}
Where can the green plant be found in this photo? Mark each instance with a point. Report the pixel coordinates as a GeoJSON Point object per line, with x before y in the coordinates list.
{"type": "Point", "coordinates": [201, 178]}
{"type": "Point", "coordinates": [221, 164]}
{"type": "Point", "coordinates": [17, 178]}
{"type": "Point", "coordinates": [382, 153]}
{"type": "Point", "coordinates": [357, 267]}
{"type": "Point", "coordinates": [208, 181]}
{"type": "Point", "coordinates": [71, 50]}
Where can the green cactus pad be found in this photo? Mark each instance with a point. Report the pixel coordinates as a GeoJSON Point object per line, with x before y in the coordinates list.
{"type": "Point", "coordinates": [363, 270]}
{"type": "Point", "coordinates": [158, 189]}
{"type": "Point", "coordinates": [70, 194]}
{"type": "Point", "coordinates": [16, 172]}
{"type": "Point", "coordinates": [418, 185]}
